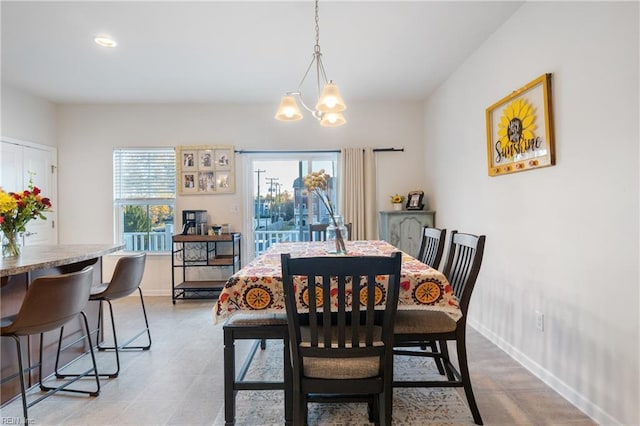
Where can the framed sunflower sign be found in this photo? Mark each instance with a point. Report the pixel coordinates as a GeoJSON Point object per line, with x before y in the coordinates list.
{"type": "Point", "coordinates": [520, 129]}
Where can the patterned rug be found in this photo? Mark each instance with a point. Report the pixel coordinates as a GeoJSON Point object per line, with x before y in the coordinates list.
{"type": "Point", "coordinates": [435, 406]}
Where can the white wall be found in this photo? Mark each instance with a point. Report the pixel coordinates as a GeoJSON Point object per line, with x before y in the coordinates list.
{"type": "Point", "coordinates": [88, 134]}
{"type": "Point", "coordinates": [562, 240]}
{"type": "Point", "coordinates": [27, 117]}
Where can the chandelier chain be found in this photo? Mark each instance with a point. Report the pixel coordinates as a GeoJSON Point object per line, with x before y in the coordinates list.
{"type": "Point", "coordinates": [317, 26]}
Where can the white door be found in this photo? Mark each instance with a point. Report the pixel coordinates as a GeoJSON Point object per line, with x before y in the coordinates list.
{"type": "Point", "coordinates": [21, 161]}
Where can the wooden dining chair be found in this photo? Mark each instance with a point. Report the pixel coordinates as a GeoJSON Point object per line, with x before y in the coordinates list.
{"type": "Point", "coordinates": [318, 231]}
{"type": "Point", "coordinates": [342, 349]}
{"type": "Point", "coordinates": [432, 246]}
{"type": "Point", "coordinates": [414, 328]}
{"type": "Point", "coordinates": [430, 253]}
{"type": "Point", "coordinates": [349, 230]}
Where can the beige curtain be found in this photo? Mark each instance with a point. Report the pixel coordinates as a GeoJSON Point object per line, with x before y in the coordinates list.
{"type": "Point", "coordinates": [358, 192]}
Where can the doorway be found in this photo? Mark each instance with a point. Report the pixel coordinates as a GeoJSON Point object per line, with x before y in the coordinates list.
{"type": "Point", "coordinates": [21, 161]}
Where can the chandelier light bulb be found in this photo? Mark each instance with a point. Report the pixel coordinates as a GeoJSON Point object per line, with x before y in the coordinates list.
{"type": "Point", "coordinates": [332, 119]}
{"type": "Point", "coordinates": [330, 99]}
{"type": "Point", "coordinates": [288, 109]}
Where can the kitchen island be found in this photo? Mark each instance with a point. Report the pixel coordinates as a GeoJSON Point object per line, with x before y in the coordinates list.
{"type": "Point", "coordinates": [15, 275]}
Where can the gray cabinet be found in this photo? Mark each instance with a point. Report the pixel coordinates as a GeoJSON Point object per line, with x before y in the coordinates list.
{"type": "Point", "coordinates": [403, 228]}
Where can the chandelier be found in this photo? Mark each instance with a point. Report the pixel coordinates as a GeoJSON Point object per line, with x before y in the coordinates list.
{"type": "Point", "coordinates": [329, 106]}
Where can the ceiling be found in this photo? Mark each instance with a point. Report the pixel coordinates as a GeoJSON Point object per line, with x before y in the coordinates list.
{"type": "Point", "coordinates": [237, 51]}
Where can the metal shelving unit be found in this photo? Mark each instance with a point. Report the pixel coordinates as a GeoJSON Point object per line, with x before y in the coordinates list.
{"type": "Point", "coordinates": [202, 251]}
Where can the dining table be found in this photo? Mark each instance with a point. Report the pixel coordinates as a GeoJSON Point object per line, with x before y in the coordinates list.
{"type": "Point", "coordinates": [257, 287]}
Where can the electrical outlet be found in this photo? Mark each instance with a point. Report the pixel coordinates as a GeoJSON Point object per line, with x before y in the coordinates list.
{"type": "Point", "coordinates": [539, 321]}
{"type": "Point", "coordinates": [235, 208]}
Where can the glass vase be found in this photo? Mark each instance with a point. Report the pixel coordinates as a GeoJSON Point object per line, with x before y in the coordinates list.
{"type": "Point", "coordinates": [11, 243]}
{"type": "Point", "coordinates": [337, 234]}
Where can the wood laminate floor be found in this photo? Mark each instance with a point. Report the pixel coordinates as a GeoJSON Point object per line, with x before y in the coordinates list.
{"type": "Point", "coordinates": [179, 381]}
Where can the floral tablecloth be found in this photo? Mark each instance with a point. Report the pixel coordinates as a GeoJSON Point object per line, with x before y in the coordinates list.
{"type": "Point", "coordinates": [257, 287]}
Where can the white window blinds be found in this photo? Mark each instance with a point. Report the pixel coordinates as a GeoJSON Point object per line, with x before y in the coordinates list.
{"type": "Point", "coordinates": [144, 174]}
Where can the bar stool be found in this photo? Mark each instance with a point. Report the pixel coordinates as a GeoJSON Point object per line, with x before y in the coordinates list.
{"type": "Point", "coordinates": [126, 279]}
{"type": "Point", "coordinates": [50, 302]}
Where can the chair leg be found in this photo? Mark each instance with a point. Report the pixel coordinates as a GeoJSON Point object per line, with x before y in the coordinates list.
{"type": "Point", "coordinates": [445, 360]}
{"type": "Point", "coordinates": [115, 346]}
{"type": "Point", "coordinates": [125, 345]}
{"type": "Point", "coordinates": [64, 386]}
{"type": "Point", "coordinates": [439, 364]}
{"type": "Point", "coordinates": [466, 379]}
{"type": "Point", "coordinates": [229, 377]}
{"type": "Point", "coordinates": [23, 391]}
{"type": "Point", "coordinates": [304, 410]}
{"type": "Point", "coordinates": [94, 369]}
{"type": "Point", "coordinates": [288, 384]}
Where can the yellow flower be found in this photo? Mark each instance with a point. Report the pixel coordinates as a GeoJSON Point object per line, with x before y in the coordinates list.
{"type": "Point", "coordinates": [516, 126]}
{"type": "Point", "coordinates": [7, 202]}
{"type": "Point", "coordinates": [397, 199]}
{"type": "Point", "coordinates": [18, 208]}
{"type": "Point", "coordinates": [317, 180]}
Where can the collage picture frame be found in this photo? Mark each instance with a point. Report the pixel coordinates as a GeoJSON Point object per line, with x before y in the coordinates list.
{"type": "Point", "coordinates": [205, 170]}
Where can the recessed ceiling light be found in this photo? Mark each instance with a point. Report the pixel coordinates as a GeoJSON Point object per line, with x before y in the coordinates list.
{"type": "Point", "coordinates": [105, 41]}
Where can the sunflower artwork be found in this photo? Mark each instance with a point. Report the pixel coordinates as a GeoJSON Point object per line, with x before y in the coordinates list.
{"type": "Point", "coordinates": [519, 129]}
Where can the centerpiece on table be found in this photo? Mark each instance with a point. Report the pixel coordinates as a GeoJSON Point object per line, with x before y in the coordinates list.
{"type": "Point", "coordinates": [16, 210]}
{"type": "Point", "coordinates": [396, 201]}
{"type": "Point", "coordinates": [318, 184]}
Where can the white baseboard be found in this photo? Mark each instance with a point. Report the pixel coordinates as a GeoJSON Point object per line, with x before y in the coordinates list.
{"type": "Point", "coordinates": [566, 391]}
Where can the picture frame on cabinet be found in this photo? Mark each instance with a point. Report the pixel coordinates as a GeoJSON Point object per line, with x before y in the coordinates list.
{"type": "Point", "coordinates": [414, 200]}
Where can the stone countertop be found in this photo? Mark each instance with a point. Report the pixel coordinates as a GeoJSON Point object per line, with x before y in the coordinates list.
{"type": "Point", "coordinates": [49, 256]}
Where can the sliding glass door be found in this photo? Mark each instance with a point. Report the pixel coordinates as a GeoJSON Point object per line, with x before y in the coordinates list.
{"type": "Point", "coordinates": [282, 208]}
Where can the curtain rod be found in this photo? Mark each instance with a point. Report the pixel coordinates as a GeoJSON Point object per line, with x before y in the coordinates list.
{"type": "Point", "coordinates": [312, 151]}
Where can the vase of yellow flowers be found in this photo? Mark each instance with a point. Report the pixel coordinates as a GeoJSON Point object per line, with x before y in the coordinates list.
{"type": "Point", "coordinates": [318, 184]}
{"type": "Point", "coordinates": [16, 210]}
{"type": "Point", "coordinates": [396, 201]}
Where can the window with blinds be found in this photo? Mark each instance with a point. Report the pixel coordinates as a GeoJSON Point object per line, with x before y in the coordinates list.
{"type": "Point", "coordinates": [144, 191]}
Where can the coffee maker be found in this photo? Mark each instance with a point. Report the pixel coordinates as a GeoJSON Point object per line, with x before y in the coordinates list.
{"type": "Point", "coordinates": [194, 222]}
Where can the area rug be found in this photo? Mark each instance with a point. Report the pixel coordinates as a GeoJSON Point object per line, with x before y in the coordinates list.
{"type": "Point", "coordinates": [434, 406]}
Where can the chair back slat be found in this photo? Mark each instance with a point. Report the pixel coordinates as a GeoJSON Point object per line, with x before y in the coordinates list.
{"type": "Point", "coordinates": [326, 313]}
{"type": "Point", "coordinates": [343, 319]}
{"type": "Point", "coordinates": [432, 246]}
{"type": "Point", "coordinates": [463, 265]}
